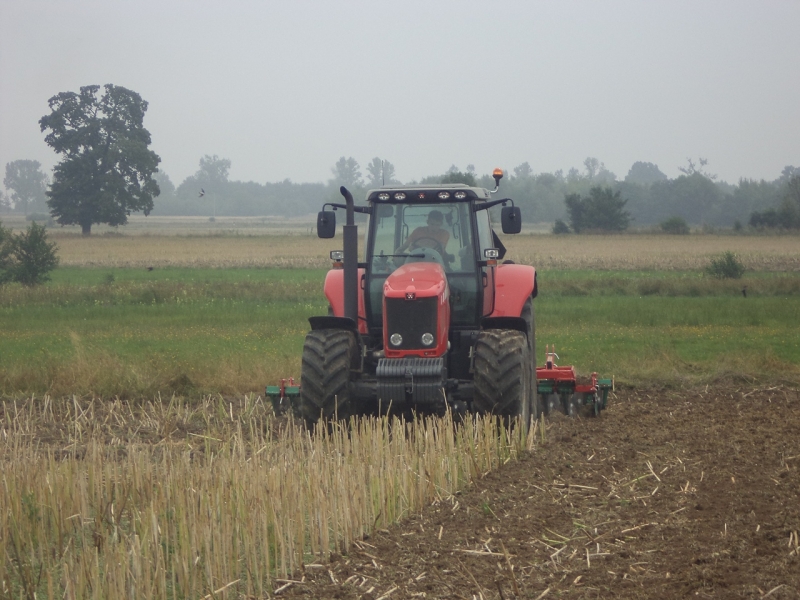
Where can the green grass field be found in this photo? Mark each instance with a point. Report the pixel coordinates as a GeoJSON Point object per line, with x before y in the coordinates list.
{"type": "Point", "coordinates": [132, 332]}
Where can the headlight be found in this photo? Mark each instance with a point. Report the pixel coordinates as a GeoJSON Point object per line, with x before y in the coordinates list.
{"type": "Point", "coordinates": [383, 196]}
{"type": "Point", "coordinates": [460, 195]}
{"type": "Point", "coordinates": [399, 196]}
{"type": "Point", "coordinates": [427, 339]}
{"type": "Point", "coordinates": [396, 339]}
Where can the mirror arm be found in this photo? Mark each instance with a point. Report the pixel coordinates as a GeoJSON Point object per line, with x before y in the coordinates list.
{"type": "Point", "coordinates": [359, 209]}
{"type": "Point", "coordinates": [488, 205]}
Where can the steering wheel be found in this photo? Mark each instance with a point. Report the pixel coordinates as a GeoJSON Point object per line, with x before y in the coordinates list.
{"type": "Point", "coordinates": [425, 254]}
{"type": "Point", "coordinates": [424, 242]}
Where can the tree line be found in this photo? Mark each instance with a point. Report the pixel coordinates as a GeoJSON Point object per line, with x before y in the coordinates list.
{"type": "Point", "coordinates": [650, 196]}
{"type": "Point", "coordinates": [107, 171]}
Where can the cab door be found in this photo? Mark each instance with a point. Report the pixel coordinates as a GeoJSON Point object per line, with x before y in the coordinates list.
{"type": "Point", "coordinates": [485, 241]}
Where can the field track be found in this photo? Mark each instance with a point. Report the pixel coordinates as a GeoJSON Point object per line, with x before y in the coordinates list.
{"type": "Point", "coordinates": [668, 495]}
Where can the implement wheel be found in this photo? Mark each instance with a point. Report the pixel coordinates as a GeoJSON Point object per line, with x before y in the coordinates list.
{"type": "Point", "coordinates": [502, 375]}
{"type": "Point", "coordinates": [325, 376]}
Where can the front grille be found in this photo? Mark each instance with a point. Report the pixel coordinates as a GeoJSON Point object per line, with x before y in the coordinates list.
{"type": "Point", "coordinates": [411, 318]}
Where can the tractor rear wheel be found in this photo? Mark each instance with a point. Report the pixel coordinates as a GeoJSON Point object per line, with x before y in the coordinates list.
{"type": "Point", "coordinates": [325, 375]}
{"type": "Point", "coordinates": [502, 375]}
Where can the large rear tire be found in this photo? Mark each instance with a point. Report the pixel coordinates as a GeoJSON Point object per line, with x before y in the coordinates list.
{"type": "Point", "coordinates": [502, 375]}
{"type": "Point", "coordinates": [325, 375]}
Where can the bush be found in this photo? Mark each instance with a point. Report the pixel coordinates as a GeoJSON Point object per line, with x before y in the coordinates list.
{"type": "Point", "coordinates": [27, 257]}
{"type": "Point", "coordinates": [726, 266]}
{"type": "Point", "coordinates": [602, 210]}
{"type": "Point", "coordinates": [560, 227]}
{"type": "Point", "coordinates": [675, 226]}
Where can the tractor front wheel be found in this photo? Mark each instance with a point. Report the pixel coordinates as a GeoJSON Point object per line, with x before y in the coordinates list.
{"type": "Point", "coordinates": [502, 375]}
{"type": "Point", "coordinates": [325, 376]}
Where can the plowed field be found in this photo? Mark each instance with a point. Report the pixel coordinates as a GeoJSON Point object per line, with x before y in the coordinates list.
{"type": "Point", "coordinates": [673, 494]}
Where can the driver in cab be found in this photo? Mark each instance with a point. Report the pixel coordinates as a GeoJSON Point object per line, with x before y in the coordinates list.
{"type": "Point", "coordinates": [431, 236]}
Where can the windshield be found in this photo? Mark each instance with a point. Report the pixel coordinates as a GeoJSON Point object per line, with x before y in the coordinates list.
{"type": "Point", "coordinates": [440, 232]}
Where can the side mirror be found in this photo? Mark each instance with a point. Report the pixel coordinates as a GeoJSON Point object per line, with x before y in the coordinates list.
{"type": "Point", "coordinates": [511, 219]}
{"type": "Point", "coordinates": [326, 224]}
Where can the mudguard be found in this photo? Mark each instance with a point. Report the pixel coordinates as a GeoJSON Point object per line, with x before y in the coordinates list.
{"type": "Point", "coordinates": [514, 284]}
{"type": "Point", "coordinates": [334, 292]}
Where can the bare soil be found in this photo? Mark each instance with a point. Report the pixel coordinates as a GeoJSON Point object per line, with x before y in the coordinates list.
{"type": "Point", "coordinates": [672, 494]}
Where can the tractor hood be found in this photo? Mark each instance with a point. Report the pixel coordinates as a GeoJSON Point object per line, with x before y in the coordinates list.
{"type": "Point", "coordinates": [416, 311]}
{"type": "Point", "coordinates": [423, 280]}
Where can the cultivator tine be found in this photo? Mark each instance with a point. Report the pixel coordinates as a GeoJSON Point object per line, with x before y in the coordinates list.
{"type": "Point", "coordinates": [283, 396]}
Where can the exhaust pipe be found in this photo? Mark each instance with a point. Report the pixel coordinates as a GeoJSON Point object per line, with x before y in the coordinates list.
{"type": "Point", "coordinates": [350, 231]}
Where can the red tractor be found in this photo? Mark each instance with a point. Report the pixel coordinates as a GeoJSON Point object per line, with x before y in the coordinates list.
{"type": "Point", "coordinates": [431, 318]}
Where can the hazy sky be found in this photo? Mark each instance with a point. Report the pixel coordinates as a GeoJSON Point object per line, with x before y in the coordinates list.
{"type": "Point", "coordinates": [284, 88]}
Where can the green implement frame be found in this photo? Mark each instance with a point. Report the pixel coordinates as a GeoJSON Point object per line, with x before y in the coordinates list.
{"type": "Point", "coordinates": [283, 396]}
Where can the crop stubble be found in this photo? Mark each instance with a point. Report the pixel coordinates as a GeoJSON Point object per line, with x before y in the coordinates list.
{"type": "Point", "coordinates": [620, 252]}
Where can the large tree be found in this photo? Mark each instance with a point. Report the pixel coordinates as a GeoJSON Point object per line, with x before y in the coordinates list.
{"type": "Point", "coordinates": [380, 172]}
{"type": "Point", "coordinates": [523, 171]}
{"type": "Point", "coordinates": [213, 171]}
{"type": "Point", "coordinates": [347, 172]}
{"type": "Point", "coordinates": [209, 186]}
{"type": "Point", "coordinates": [27, 183]}
{"type": "Point", "coordinates": [596, 171]}
{"type": "Point", "coordinates": [453, 175]}
{"type": "Point", "coordinates": [692, 168]}
{"type": "Point", "coordinates": [165, 185]}
{"type": "Point", "coordinates": [644, 173]}
{"type": "Point", "coordinates": [107, 168]}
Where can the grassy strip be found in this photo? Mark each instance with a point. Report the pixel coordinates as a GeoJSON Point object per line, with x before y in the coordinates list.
{"type": "Point", "coordinates": [195, 331]}
{"type": "Point", "coordinates": [673, 341]}
{"type": "Point", "coordinates": [94, 287]}
{"type": "Point", "coordinates": [223, 346]}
